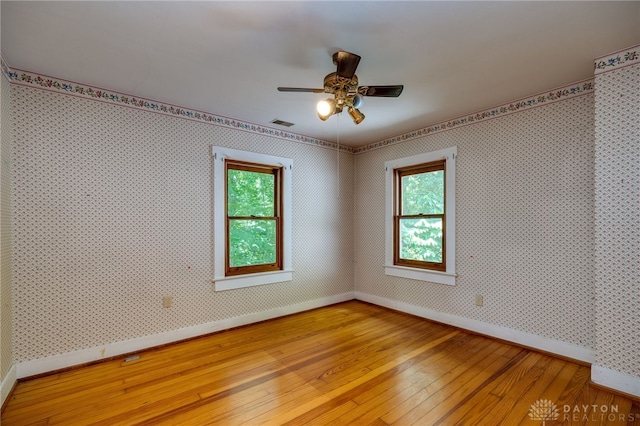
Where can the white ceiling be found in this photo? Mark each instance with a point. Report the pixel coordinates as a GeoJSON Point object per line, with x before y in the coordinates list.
{"type": "Point", "coordinates": [227, 58]}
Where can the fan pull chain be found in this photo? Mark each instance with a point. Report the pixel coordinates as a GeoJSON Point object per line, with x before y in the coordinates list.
{"type": "Point", "coordinates": [338, 155]}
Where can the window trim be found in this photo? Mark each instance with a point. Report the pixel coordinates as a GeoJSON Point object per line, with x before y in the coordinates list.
{"type": "Point", "coordinates": [447, 276]}
{"type": "Point", "coordinates": [224, 281]}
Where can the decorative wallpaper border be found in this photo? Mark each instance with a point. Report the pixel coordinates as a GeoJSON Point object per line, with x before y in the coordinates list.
{"type": "Point", "coordinates": [576, 89]}
{"type": "Point", "coordinates": [616, 60]}
{"type": "Point", "coordinates": [26, 78]}
{"type": "Point", "coordinates": [29, 79]}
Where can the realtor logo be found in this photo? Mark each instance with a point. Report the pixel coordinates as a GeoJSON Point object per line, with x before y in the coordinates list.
{"type": "Point", "coordinates": [544, 410]}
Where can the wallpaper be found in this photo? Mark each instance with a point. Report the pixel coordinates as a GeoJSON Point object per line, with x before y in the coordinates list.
{"type": "Point", "coordinates": [524, 221]}
{"type": "Point", "coordinates": [617, 219]}
{"type": "Point", "coordinates": [57, 85]}
{"type": "Point", "coordinates": [6, 359]}
{"type": "Point", "coordinates": [113, 210]}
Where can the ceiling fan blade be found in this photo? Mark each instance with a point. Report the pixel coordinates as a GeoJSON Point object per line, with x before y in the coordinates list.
{"type": "Point", "coordinates": [383, 91]}
{"type": "Point", "coordinates": [299, 89]}
{"type": "Point", "coordinates": [347, 63]}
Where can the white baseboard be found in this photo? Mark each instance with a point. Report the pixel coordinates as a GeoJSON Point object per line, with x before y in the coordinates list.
{"type": "Point", "coordinates": [57, 362]}
{"type": "Point", "coordinates": [613, 379]}
{"type": "Point", "coordinates": [7, 384]}
{"type": "Point", "coordinates": [565, 349]}
{"type": "Point", "coordinates": [609, 378]}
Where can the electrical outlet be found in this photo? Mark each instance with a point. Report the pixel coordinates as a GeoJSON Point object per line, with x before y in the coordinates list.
{"type": "Point", "coordinates": [167, 301]}
{"type": "Point", "coordinates": [479, 300]}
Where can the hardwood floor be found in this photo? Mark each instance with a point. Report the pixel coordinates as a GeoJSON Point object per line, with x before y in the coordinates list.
{"type": "Point", "coordinates": [346, 364]}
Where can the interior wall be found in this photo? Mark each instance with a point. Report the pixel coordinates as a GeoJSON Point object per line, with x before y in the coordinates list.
{"type": "Point", "coordinates": [524, 221]}
{"type": "Point", "coordinates": [6, 341]}
{"type": "Point", "coordinates": [617, 219]}
{"type": "Point", "coordinates": [113, 210]}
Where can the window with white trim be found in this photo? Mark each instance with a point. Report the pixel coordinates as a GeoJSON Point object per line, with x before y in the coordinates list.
{"type": "Point", "coordinates": [420, 217]}
{"type": "Point", "coordinates": [252, 218]}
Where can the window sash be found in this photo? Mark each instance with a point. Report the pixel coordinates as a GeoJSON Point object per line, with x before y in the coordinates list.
{"type": "Point", "coordinates": [398, 217]}
{"type": "Point", "coordinates": [277, 218]}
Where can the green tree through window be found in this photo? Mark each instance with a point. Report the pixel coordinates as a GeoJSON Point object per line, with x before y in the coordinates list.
{"type": "Point", "coordinates": [253, 218]}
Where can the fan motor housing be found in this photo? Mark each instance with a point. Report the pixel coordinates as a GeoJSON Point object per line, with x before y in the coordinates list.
{"type": "Point", "coordinates": [344, 89]}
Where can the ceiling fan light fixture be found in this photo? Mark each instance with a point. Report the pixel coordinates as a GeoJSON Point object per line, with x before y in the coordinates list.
{"type": "Point", "coordinates": [358, 100]}
{"type": "Point", "coordinates": [326, 108]}
{"type": "Point", "coordinates": [356, 115]}
{"type": "Point", "coordinates": [343, 85]}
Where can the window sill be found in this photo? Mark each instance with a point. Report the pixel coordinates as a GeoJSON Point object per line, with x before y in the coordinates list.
{"type": "Point", "coordinates": [421, 274]}
{"type": "Point", "coordinates": [251, 280]}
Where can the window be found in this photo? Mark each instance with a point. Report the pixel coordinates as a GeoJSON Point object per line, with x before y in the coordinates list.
{"type": "Point", "coordinates": [254, 229]}
{"type": "Point", "coordinates": [252, 218]}
{"type": "Point", "coordinates": [420, 217]}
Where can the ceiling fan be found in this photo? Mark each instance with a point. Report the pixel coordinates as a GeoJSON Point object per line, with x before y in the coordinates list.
{"type": "Point", "coordinates": [343, 84]}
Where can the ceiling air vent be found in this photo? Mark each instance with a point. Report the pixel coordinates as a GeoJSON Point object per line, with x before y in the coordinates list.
{"type": "Point", "coordinates": [281, 122]}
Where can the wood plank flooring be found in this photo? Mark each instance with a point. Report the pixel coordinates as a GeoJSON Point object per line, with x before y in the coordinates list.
{"type": "Point", "coordinates": [348, 364]}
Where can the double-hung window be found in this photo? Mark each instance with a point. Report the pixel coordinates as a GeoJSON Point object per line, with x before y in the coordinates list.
{"type": "Point", "coordinates": [419, 221]}
{"type": "Point", "coordinates": [420, 217]}
{"type": "Point", "coordinates": [252, 218]}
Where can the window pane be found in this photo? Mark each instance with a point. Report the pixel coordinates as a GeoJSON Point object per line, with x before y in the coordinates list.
{"type": "Point", "coordinates": [423, 193]}
{"type": "Point", "coordinates": [421, 239]}
{"type": "Point", "coordinates": [250, 193]}
{"type": "Point", "coordinates": [252, 242]}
